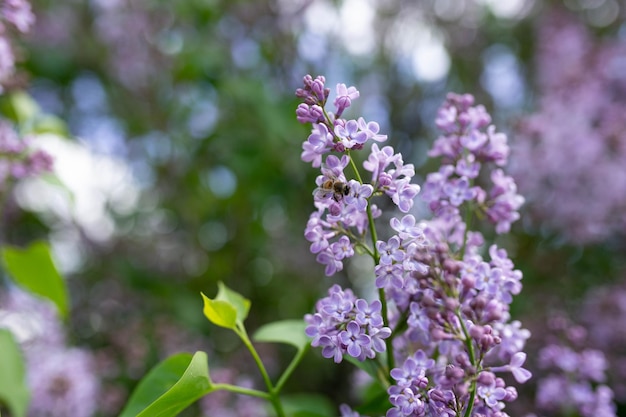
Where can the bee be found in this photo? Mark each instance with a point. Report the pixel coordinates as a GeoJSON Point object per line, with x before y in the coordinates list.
{"type": "Point", "coordinates": [332, 187]}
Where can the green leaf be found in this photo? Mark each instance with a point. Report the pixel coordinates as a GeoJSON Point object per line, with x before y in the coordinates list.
{"type": "Point", "coordinates": [308, 405]}
{"type": "Point", "coordinates": [13, 389]}
{"type": "Point", "coordinates": [376, 400]}
{"type": "Point", "coordinates": [368, 365]}
{"type": "Point", "coordinates": [34, 269]}
{"type": "Point", "coordinates": [220, 312]}
{"type": "Point", "coordinates": [170, 387]}
{"type": "Point", "coordinates": [241, 304]}
{"type": "Point", "coordinates": [20, 107]}
{"type": "Point", "coordinates": [290, 332]}
{"type": "Point", "coordinates": [49, 124]}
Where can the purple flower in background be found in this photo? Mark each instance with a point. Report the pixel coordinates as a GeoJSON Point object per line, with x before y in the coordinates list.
{"type": "Point", "coordinates": [570, 376]}
{"type": "Point", "coordinates": [576, 138]}
{"type": "Point", "coordinates": [458, 190]}
{"type": "Point", "coordinates": [17, 159]}
{"type": "Point", "coordinates": [62, 383]}
{"type": "Point", "coordinates": [18, 13]}
{"type": "Point", "coordinates": [62, 380]}
{"type": "Point", "coordinates": [346, 411]}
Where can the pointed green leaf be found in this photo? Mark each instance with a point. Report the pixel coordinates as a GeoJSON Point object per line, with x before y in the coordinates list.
{"type": "Point", "coordinates": [286, 331]}
{"type": "Point", "coordinates": [368, 365]}
{"type": "Point", "coordinates": [170, 387]}
{"type": "Point", "coordinates": [220, 312]}
{"type": "Point", "coordinates": [13, 389]}
{"type": "Point", "coordinates": [241, 304]}
{"type": "Point", "coordinates": [34, 269]}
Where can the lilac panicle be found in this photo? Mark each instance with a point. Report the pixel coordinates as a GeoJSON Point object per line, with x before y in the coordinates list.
{"type": "Point", "coordinates": [344, 325]}
{"type": "Point", "coordinates": [344, 206]}
{"type": "Point", "coordinates": [447, 301]}
{"type": "Point", "coordinates": [576, 138]}
{"type": "Point", "coordinates": [572, 377]}
{"type": "Point", "coordinates": [468, 143]}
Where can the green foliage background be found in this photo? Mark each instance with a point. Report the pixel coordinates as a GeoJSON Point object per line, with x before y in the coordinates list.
{"type": "Point", "coordinates": [231, 67]}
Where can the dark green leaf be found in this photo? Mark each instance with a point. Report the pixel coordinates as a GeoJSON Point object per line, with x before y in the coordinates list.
{"type": "Point", "coordinates": [308, 405]}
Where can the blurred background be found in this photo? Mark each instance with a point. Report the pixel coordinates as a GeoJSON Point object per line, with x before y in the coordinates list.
{"type": "Point", "coordinates": [183, 166]}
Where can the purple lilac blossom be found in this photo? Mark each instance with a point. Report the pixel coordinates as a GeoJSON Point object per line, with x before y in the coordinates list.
{"type": "Point", "coordinates": [453, 300]}
{"type": "Point", "coordinates": [571, 152]}
{"type": "Point", "coordinates": [344, 325]}
{"type": "Point", "coordinates": [346, 212]}
{"type": "Point", "coordinates": [572, 377]}
{"type": "Point", "coordinates": [468, 142]}
{"type": "Point", "coordinates": [62, 383]}
{"type": "Point", "coordinates": [32, 320]}
{"type": "Point", "coordinates": [603, 315]}
{"type": "Point", "coordinates": [18, 13]}
{"type": "Point", "coordinates": [62, 379]}
{"type": "Point", "coordinates": [17, 159]}
{"type": "Point", "coordinates": [15, 14]}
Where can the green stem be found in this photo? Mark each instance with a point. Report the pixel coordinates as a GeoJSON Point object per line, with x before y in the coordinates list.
{"type": "Point", "coordinates": [241, 390]}
{"type": "Point", "coordinates": [468, 221]}
{"type": "Point", "coordinates": [272, 392]}
{"type": "Point", "coordinates": [472, 358]}
{"type": "Point", "coordinates": [376, 256]}
{"type": "Point", "coordinates": [292, 366]}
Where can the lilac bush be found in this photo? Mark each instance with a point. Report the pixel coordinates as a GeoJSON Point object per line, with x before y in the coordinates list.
{"type": "Point", "coordinates": [61, 378]}
{"type": "Point", "coordinates": [15, 15]}
{"type": "Point", "coordinates": [18, 159]}
{"type": "Point", "coordinates": [571, 152]}
{"type": "Point", "coordinates": [440, 331]}
{"type": "Point", "coordinates": [572, 376]}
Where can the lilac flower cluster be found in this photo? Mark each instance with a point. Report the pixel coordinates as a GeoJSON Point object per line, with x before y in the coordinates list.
{"type": "Point", "coordinates": [576, 138]}
{"type": "Point", "coordinates": [603, 314]}
{"type": "Point", "coordinates": [17, 159]}
{"type": "Point", "coordinates": [573, 377]}
{"type": "Point", "coordinates": [62, 379]}
{"type": "Point", "coordinates": [343, 207]}
{"type": "Point", "coordinates": [457, 307]}
{"type": "Point", "coordinates": [344, 324]}
{"type": "Point", "coordinates": [469, 141]}
{"type": "Point", "coordinates": [445, 306]}
{"type": "Point", "coordinates": [18, 15]}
